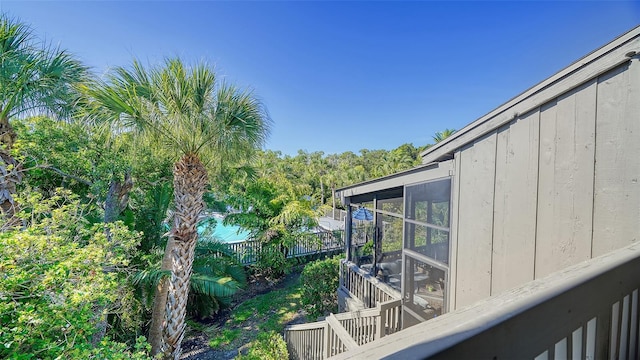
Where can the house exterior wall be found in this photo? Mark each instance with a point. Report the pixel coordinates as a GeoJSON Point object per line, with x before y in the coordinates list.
{"type": "Point", "coordinates": [547, 180]}
{"type": "Point", "coordinates": [552, 187]}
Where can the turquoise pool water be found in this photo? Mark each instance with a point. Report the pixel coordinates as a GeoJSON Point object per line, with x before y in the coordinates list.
{"type": "Point", "coordinates": [224, 233]}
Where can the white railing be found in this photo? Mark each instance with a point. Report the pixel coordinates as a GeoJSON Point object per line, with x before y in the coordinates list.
{"type": "Point", "coordinates": [587, 311]}
{"type": "Point", "coordinates": [342, 332]}
{"type": "Point", "coordinates": [370, 324]}
{"type": "Point", "coordinates": [364, 287]}
{"type": "Point", "coordinates": [249, 251]}
{"type": "Point", "coordinates": [306, 341]}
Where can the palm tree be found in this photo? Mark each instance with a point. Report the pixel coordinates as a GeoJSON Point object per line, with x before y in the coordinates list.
{"type": "Point", "coordinates": [216, 277]}
{"type": "Point", "coordinates": [34, 78]}
{"type": "Point", "coordinates": [441, 135]}
{"type": "Point", "coordinates": [185, 110]}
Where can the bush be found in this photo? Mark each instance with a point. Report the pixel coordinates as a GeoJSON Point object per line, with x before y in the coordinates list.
{"type": "Point", "coordinates": [272, 262]}
{"type": "Point", "coordinates": [269, 346]}
{"type": "Point", "coordinates": [320, 280]}
{"type": "Point", "coordinates": [61, 278]}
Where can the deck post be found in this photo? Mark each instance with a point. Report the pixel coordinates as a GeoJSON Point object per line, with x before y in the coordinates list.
{"type": "Point", "coordinates": [347, 230]}
{"type": "Point", "coordinates": [380, 322]}
{"type": "Point", "coordinates": [325, 343]}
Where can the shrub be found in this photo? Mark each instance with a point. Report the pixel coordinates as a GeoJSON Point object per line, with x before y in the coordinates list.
{"type": "Point", "coordinates": [61, 278]}
{"type": "Point", "coordinates": [272, 262]}
{"type": "Point", "coordinates": [268, 346]}
{"type": "Point", "coordinates": [320, 281]}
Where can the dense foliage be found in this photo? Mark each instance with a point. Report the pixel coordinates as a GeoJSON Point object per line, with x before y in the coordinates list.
{"type": "Point", "coordinates": [34, 78]}
{"type": "Point", "coordinates": [320, 281]}
{"type": "Point", "coordinates": [62, 276]}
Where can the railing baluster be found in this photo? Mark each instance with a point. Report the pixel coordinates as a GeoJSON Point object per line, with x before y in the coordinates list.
{"type": "Point", "coordinates": [543, 356]}
{"type": "Point", "coordinates": [615, 316]}
{"type": "Point", "coordinates": [624, 331]}
{"type": "Point", "coordinates": [576, 344]}
{"type": "Point", "coordinates": [560, 350]}
{"type": "Point", "coordinates": [633, 340]}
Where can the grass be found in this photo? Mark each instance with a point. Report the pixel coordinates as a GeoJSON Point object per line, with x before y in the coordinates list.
{"type": "Point", "coordinates": [226, 337]}
{"type": "Point", "coordinates": [263, 313]}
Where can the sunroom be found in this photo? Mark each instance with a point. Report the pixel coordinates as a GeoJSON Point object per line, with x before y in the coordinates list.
{"type": "Point", "coordinates": [398, 242]}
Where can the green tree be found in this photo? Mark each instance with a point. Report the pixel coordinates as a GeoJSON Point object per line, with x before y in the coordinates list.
{"type": "Point", "coordinates": [441, 135]}
{"type": "Point", "coordinates": [34, 77]}
{"type": "Point", "coordinates": [216, 277]}
{"type": "Point", "coordinates": [276, 212]}
{"type": "Point", "coordinates": [184, 109]}
{"type": "Point", "coordinates": [56, 270]}
{"type": "Point", "coordinates": [55, 153]}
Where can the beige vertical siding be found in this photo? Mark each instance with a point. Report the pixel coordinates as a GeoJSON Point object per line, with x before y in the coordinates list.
{"type": "Point", "coordinates": [475, 213]}
{"type": "Point", "coordinates": [515, 203]}
{"type": "Point", "coordinates": [565, 197]}
{"type": "Point", "coordinates": [617, 173]}
{"type": "Point", "coordinates": [554, 187]}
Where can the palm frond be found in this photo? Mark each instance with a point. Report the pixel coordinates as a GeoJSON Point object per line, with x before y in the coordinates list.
{"type": "Point", "coordinates": [149, 278]}
{"type": "Point", "coordinates": [145, 281]}
{"type": "Point", "coordinates": [213, 248]}
{"type": "Point", "coordinates": [34, 77]}
{"type": "Point", "coordinates": [214, 286]}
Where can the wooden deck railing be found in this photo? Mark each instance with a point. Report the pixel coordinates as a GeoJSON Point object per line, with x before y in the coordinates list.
{"type": "Point", "coordinates": [248, 252]}
{"type": "Point", "coordinates": [370, 324]}
{"type": "Point", "coordinates": [364, 287]}
{"type": "Point", "coordinates": [587, 311]}
{"type": "Point", "coordinates": [342, 332]}
{"type": "Point", "coordinates": [306, 341]}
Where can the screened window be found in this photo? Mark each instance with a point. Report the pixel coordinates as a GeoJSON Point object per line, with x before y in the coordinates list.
{"type": "Point", "coordinates": [390, 237]}
{"type": "Point", "coordinates": [362, 233]}
{"type": "Point", "coordinates": [429, 202]}
{"type": "Point", "coordinates": [433, 243]}
{"type": "Point", "coordinates": [427, 219]}
{"type": "Point", "coordinates": [394, 205]}
{"type": "Point", "coordinates": [425, 289]}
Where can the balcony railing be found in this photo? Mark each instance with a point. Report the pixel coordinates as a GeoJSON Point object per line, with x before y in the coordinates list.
{"type": "Point", "coordinates": [248, 252]}
{"type": "Point", "coordinates": [362, 286]}
{"type": "Point", "coordinates": [587, 311]}
{"type": "Point", "coordinates": [342, 332]}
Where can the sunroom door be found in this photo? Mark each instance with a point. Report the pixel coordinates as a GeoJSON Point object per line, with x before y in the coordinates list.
{"type": "Point", "coordinates": [426, 250]}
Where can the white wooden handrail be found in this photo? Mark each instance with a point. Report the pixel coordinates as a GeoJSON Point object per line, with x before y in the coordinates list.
{"type": "Point", "coordinates": [342, 332]}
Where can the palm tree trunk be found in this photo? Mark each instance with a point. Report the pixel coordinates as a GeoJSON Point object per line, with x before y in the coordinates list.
{"type": "Point", "coordinates": [189, 181]}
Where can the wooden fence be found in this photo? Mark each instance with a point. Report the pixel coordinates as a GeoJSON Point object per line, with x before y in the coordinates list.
{"type": "Point", "coordinates": [342, 332]}
{"type": "Point", "coordinates": [248, 252]}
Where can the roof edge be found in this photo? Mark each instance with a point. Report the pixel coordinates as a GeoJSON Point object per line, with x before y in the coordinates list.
{"type": "Point", "coordinates": [441, 149]}
{"type": "Point", "coordinates": [418, 168]}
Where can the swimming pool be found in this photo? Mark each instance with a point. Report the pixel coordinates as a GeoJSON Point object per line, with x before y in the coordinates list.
{"type": "Point", "coordinates": [224, 233]}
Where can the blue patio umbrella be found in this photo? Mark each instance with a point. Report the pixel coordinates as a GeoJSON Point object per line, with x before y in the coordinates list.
{"type": "Point", "coordinates": [362, 214]}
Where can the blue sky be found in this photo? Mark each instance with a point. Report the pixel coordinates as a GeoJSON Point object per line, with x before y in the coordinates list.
{"type": "Point", "coordinates": [345, 76]}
